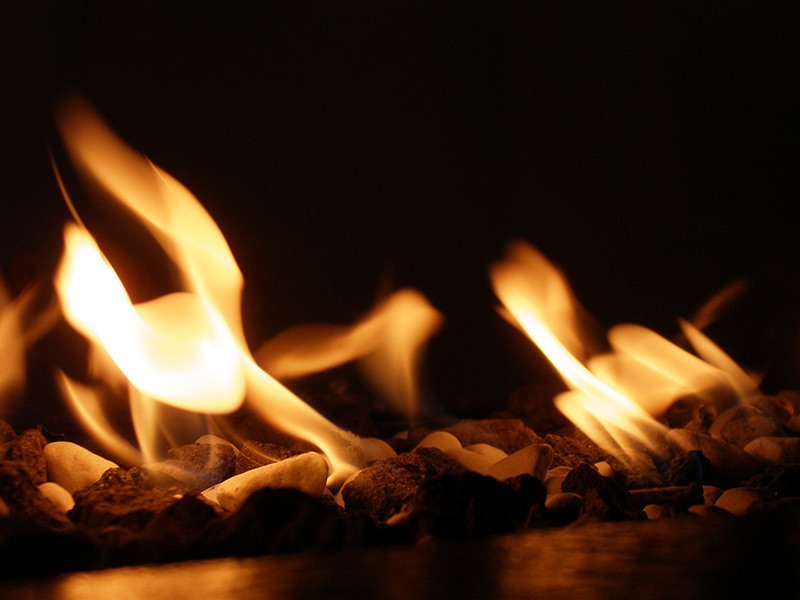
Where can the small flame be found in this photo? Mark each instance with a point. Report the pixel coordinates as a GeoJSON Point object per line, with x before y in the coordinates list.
{"type": "Point", "coordinates": [22, 323]}
{"type": "Point", "coordinates": [614, 395]}
{"type": "Point", "coordinates": [540, 302]}
{"type": "Point", "coordinates": [387, 342]}
{"type": "Point", "coordinates": [185, 349]}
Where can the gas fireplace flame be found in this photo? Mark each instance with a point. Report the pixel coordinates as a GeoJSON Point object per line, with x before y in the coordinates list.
{"type": "Point", "coordinates": [388, 344]}
{"type": "Point", "coordinates": [613, 395]}
{"type": "Point", "coordinates": [185, 349]}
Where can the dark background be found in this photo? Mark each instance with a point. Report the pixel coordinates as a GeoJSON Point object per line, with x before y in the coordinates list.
{"type": "Point", "coordinates": [649, 149]}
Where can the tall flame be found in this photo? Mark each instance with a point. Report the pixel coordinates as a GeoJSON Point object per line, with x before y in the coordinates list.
{"type": "Point", "coordinates": [185, 349]}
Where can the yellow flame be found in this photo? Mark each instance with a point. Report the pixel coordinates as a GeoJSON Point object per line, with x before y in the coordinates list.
{"type": "Point", "coordinates": [388, 342]}
{"type": "Point", "coordinates": [541, 303]}
{"type": "Point", "coordinates": [185, 349]}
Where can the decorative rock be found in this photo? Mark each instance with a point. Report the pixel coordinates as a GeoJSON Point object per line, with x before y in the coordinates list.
{"type": "Point", "coordinates": [729, 462]}
{"type": "Point", "coordinates": [74, 467]}
{"type": "Point", "coordinates": [533, 460]}
{"type": "Point", "coordinates": [509, 435]}
{"type": "Point", "coordinates": [563, 508]}
{"type": "Point", "coordinates": [60, 497]}
{"type": "Point", "coordinates": [553, 479]}
{"type": "Point", "coordinates": [448, 443]}
{"type": "Point", "coordinates": [743, 424]}
{"type": "Point", "coordinates": [774, 450]}
{"type": "Point", "coordinates": [26, 449]}
{"type": "Point", "coordinates": [306, 472]}
{"type": "Point", "coordinates": [376, 449]}
{"type": "Point", "coordinates": [711, 494]}
{"type": "Point", "coordinates": [194, 467]}
{"type": "Point", "coordinates": [213, 439]}
{"type": "Point", "coordinates": [738, 501]}
{"type": "Point", "coordinates": [604, 468]}
{"type": "Point", "coordinates": [653, 511]}
{"type": "Point", "coordinates": [5, 511]}
{"type": "Point", "coordinates": [488, 451]}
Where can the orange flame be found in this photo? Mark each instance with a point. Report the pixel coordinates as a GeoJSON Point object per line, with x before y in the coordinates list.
{"type": "Point", "coordinates": [388, 343]}
{"type": "Point", "coordinates": [184, 349]}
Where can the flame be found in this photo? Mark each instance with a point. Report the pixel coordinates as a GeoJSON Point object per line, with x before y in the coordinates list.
{"type": "Point", "coordinates": [387, 342]}
{"type": "Point", "coordinates": [613, 395]}
{"type": "Point", "coordinates": [22, 323]}
{"type": "Point", "coordinates": [185, 349]}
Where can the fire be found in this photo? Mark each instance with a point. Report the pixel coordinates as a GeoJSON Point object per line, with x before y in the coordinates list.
{"type": "Point", "coordinates": [186, 349]}
{"type": "Point", "coordinates": [387, 342]}
{"type": "Point", "coordinates": [614, 396]}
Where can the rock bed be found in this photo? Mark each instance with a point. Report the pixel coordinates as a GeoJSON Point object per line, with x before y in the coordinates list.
{"type": "Point", "coordinates": [65, 508]}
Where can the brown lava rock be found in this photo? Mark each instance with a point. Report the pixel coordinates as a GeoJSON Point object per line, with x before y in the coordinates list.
{"type": "Point", "coordinates": [509, 435]}
{"type": "Point", "coordinates": [124, 498]}
{"type": "Point", "coordinates": [603, 497]}
{"type": "Point", "coordinates": [7, 432]}
{"type": "Point", "coordinates": [688, 467]}
{"type": "Point", "coordinates": [573, 451]}
{"type": "Point", "coordinates": [26, 450]}
{"type": "Point", "coordinates": [382, 488]}
{"type": "Point", "coordinates": [24, 499]}
{"type": "Point", "coordinates": [257, 454]}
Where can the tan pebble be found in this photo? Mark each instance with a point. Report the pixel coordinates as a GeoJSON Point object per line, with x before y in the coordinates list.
{"type": "Point", "coordinates": [710, 494]}
{"type": "Point", "coordinates": [4, 510]}
{"type": "Point", "coordinates": [57, 495]}
{"type": "Point", "coordinates": [554, 478]}
{"type": "Point", "coordinates": [604, 468]}
{"type": "Point", "coordinates": [531, 460]}
{"type": "Point", "coordinates": [376, 449]}
{"type": "Point", "coordinates": [493, 453]}
{"type": "Point", "coordinates": [440, 439]}
{"type": "Point", "coordinates": [306, 472]}
{"type": "Point", "coordinates": [653, 511]}
{"type": "Point", "coordinates": [738, 501]}
{"type": "Point", "coordinates": [774, 450]}
{"type": "Point", "coordinates": [563, 500]}
{"type": "Point", "coordinates": [74, 467]}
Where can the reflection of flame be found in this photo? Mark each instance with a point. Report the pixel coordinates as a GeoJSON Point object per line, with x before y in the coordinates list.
{"type": "Point", "coordinates": [613, 395]}
{"type": "Point", "coordinates": [387, 342]}
{"type": "Point", "coordinates": [185, 349]}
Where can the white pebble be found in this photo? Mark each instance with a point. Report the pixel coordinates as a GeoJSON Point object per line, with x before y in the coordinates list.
{"type": "Point", "coordinates": [440, 439]}
{"type": "Point", "coordinates": [376, 449]}
{"type": "Point", "coordinates": [305, 472]}
{"type": "Point", "coordinates": [604, 468]}
{"type": "Point", "coordinates": [711, 494]}
{"type": "Point", "coordinates": [774, 450]}
{"type": "Point", "coordinates": [554, 478]}
{"type": "Point", "coordinates": [493, 453]}
{"type": "Point", "coordinates": [74, 467]}
{"type": "Point", "coordinates": [653, 511]}
{"type": "Point", "coordinates": [564, 500]}
{"type": "Point", "coordinates": [531, 460]}
{"type": "Point", "coordinates": [57, 495]}
{"type": "Point", "coordinates": [738, 501]}
{"type": "Point", "coordinates": [449, 444]}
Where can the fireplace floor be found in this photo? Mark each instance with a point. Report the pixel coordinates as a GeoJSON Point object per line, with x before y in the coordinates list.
{"type": "Point", "coordinates": [757, 556]}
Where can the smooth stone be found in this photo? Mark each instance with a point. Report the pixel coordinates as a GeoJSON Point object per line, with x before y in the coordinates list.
{"type": "Point", "coordinates": [653, 511]}
{"type": "Point", "coordinates": [532, 460]}
{"type": "Point", "coordinates": [306, 472]}
{"type": "Point", "coordinates": [5, 511]}
{"type": "Point", "coordinates": [491, 452]}
{"type": "Point", "coordinates": [711, 493]}
{"type": "Point", "coordinates": [604, 468]}
{"type": "Point", "coordinates": [564, 500]}
{"type": "Point", "coordinates": [554, 478]}
{"type": "Point", "coordinates": [74, 467]}
{"type": "Point", "coordinates": [448, 443]}
{"type": "Point", "coordinates": [738, 501]}
{"type": "Point", "coordinates": [376, 449]}
{"type": "Point", "coordinates": [210, 438]}
{"type": "Point", "coordinates": [729, 462]}
{"type": "Point", "coordinates": [62, 499]}
{"type": "Point", "coordinates": [774, 450]}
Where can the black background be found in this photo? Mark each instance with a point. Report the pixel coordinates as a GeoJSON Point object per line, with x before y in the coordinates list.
{"type": "Point", "coordinates": [649, 149]}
